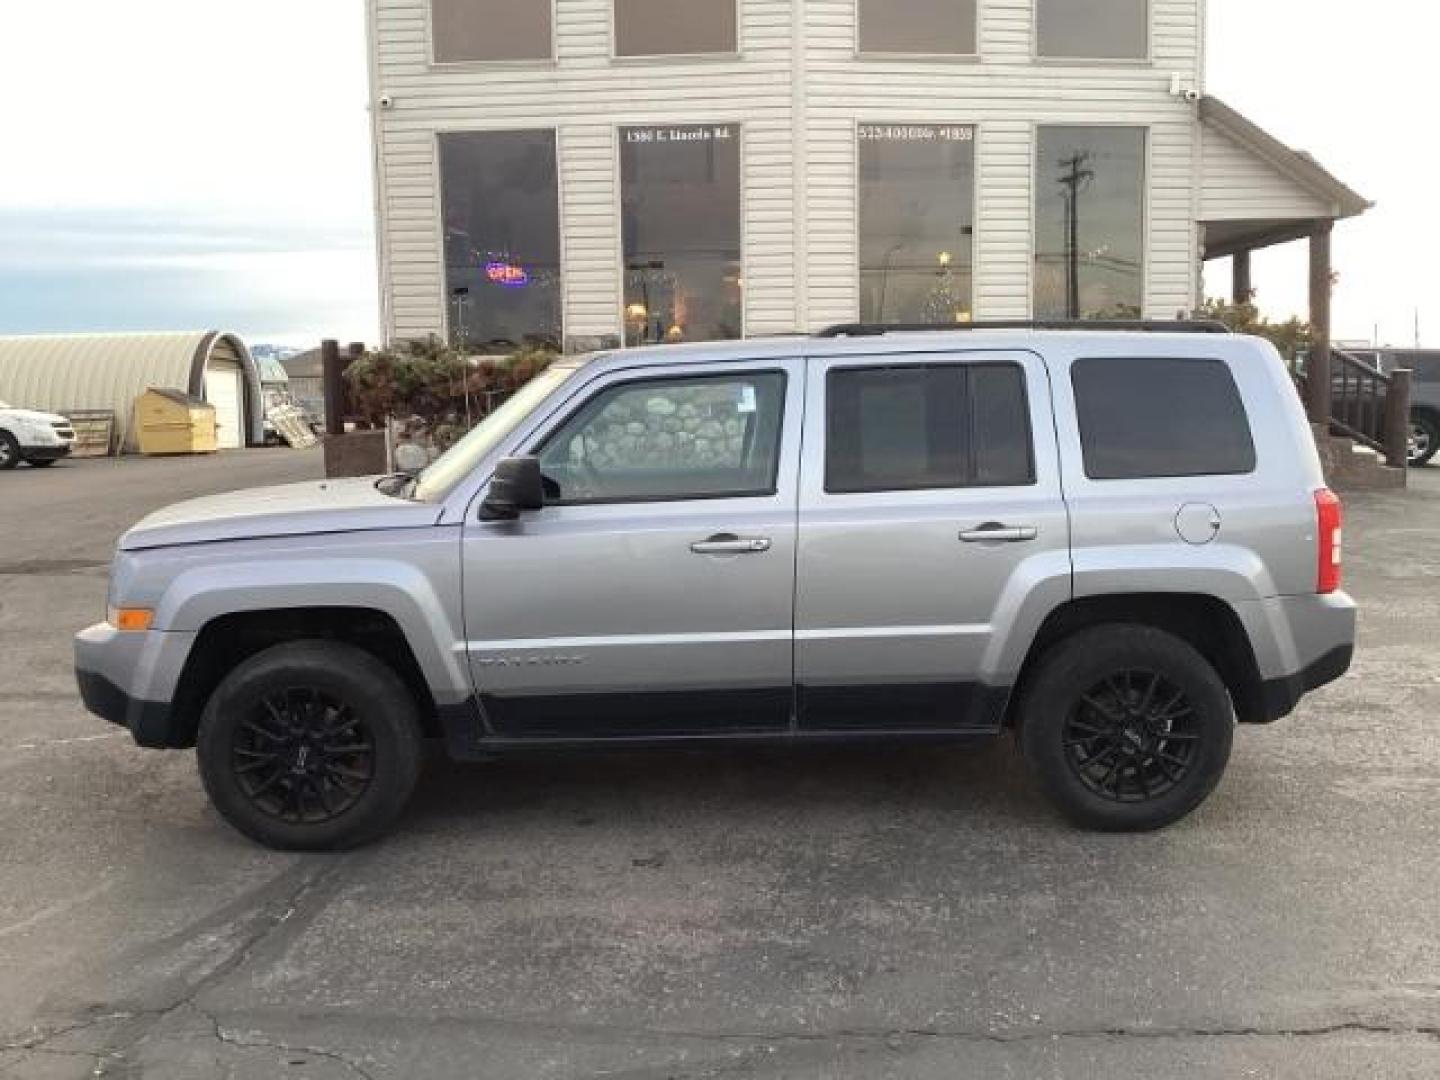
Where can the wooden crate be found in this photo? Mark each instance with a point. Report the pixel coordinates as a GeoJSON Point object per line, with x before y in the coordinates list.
{"type": "Point", "coordinates": [94, 432]}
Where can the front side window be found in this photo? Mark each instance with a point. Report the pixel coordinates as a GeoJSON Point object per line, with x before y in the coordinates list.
{"type": "Point", "coordinates": [660, 440]}
{"type": "Point", "coordinates": [1147, 417]}
{"type": "Point", "coordinates": [680, 202]}
{"type": "Point", "coordinates": [936, 27]}
{"type": "Point", "coordinates": [501, 207]}
{"type": "Point", "coordinates": [917, 200]}
{"type": "Point", "coordinates": [1089, 222]}
{"type": "Point", "coordinates": [918, 427]}
{"type": "Point", "coordinates": [484, 30]}
{"type": "Point", "coordinates": [674, 27]}
{"type": "Point", "coordinates": [1093, 29]}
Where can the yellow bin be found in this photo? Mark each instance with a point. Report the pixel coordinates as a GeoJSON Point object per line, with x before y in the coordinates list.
{"type": "Point", "coordinates": [173, 422]}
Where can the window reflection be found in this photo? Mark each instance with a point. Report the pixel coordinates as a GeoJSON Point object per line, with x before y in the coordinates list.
{"type": "Point", "coordinates": [918, 26]}
{"type": "Point", "coordinates": [1093, 29]}
{"type": "Point", "coordinates": [1089, 222]}
{"type": "Point", "coordinates": [674, 27]}
{"type": "Point", "coordinates": [500, 198]}
{"type": "Point", "coordinates": [917, 199]}
{"type": "Point", "coordinates": [680, 188]}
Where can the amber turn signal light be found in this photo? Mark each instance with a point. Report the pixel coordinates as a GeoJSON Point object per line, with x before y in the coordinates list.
{"type": "Point", "coordinates": [131, 619]}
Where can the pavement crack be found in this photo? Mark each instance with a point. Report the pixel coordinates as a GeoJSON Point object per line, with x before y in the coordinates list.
{"type": "Point", "coordinates": [250, 1040]}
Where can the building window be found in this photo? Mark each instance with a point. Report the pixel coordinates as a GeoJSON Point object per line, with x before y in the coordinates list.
{"type": "Point", "coordinates": [917, 205]}
{"type": "Point", "coordinates": [680, 195]}
{"type": "Point", "coordinates": [501, 207]}
{"type": "Point", "coordinates": [914, 427]}
{"type": "Point", "coordinates": [1093, 29]}
{"type": "Point", "coordinates": [935, 27]}
{"type": "Point", "coordinates": [1151, 417]}
{"type": "Point", "coordinates": [1089, 223]}
{"type": "Point", "coordinates": [481, 30]}
{"type": "Point", "coordinates": [674, 27]}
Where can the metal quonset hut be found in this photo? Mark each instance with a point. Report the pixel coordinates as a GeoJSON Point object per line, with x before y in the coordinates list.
{"type": "Point", "coordinates": [67, 372]}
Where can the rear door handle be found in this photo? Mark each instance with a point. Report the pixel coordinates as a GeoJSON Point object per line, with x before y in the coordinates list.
{"type": "Point", "coordinates": [993, 532]}
{"type": "Point", "coordinates": [730, 544]}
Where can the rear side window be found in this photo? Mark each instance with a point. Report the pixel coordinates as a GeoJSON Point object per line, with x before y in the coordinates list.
{"type": "Point", "coordinates": [927, 426]}
{"type": "Point", "coordinates": [1152, 417]}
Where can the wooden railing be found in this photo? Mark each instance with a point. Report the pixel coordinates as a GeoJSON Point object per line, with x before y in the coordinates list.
{"type": "Point", "coordinates": [1369, 406]}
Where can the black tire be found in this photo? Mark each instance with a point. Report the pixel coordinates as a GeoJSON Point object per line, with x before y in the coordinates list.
{"type": "Point", "coordinates": [42, 463]}
{"type": "Point", "coordinates": [1132, 767]}
{"type": "Point", "coordinates": [1424, 438]}
{"type": "Point", "coordinates": [9, 451]}
{"type": "Point", "coordinates": [317, 725]}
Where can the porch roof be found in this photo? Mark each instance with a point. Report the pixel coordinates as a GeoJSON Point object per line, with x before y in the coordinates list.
{"type": "Point", "coordinates": [1256, 191]}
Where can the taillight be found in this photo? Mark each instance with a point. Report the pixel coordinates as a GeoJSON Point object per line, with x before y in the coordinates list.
{"type": "Point", "coordinates": [1329, 517]}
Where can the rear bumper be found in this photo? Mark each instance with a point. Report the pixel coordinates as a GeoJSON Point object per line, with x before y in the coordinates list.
{"type": "Point", "coordinates": [1282, 695]}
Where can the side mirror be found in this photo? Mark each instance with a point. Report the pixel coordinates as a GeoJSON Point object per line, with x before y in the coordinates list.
{"type": "Point", "coordinates": [516, 486]}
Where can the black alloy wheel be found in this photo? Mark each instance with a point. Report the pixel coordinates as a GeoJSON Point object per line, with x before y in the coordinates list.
{"type": "Point", "coordinates": [303, 756]}
{"type": "Point", "coordinates": [1132, 736]}
{"type": "Point", "coordinates": [1127, 727]}
{"type": "Point", "coordinates": [310, 746]}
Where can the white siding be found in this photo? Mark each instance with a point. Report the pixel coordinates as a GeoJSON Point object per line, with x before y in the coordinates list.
{"type": "Point", "coordinates": [1237, 185]}
{"type": "Point", "coordinates": [800, 242]}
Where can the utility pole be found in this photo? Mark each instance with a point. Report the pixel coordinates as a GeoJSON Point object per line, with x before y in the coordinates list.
{"type": "Point", "coordinates": [1072, 180]}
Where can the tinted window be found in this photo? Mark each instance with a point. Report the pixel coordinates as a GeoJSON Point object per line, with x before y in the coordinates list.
{"type": "Point", "coordinates": [933, 426]}
{"type": "Point", "coordinates": [501, 207]}
{"type": "Point", "coordinates": [1089, 223]}
{"type": "Point", "coordinates": [680, 195]}
{"type": "Point", "coordinates": [1156, 418]}
{"type": "Point", "coordinates": [670, 439]}
{"type": "Point", "coordinates": [490, 30]}
{"type": "Point", "coordinates": [917, 26]}
{"type": "Point", "coordinates": [1093, 29]}
{"type": "Point", "coordinates": [674, 27]}
{"type": "Point", "coordinates": [917, 207]}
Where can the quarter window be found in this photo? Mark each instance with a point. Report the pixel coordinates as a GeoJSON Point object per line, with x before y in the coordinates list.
{"type": "Point", "coordinates": [663, 440]}
{"type": "Point", "coordinates": [674, 27]}
{"type": "Point", "coordinates": [478, 30]}
{"type": "Point", "coordinates": [1149, 417]}
{"type": "Point", "coordinates": [918, 26]}
{"type": "Point", "coordinates": [1093, 29]}
{"type": "Point", "coordinates": [1089, 222]}
{"type": "Point", "coordinates": [927, 426]}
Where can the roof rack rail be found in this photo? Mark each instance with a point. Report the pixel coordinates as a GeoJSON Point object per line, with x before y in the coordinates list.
{"type": "Point", "coordinates": [1148, 326]}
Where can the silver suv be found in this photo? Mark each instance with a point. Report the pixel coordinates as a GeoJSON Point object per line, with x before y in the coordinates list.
{"type": "Point", "coordinates": [1114, 544]}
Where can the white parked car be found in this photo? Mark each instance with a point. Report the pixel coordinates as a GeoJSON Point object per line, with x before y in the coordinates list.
{"type": "Point", "coordinates": [40, 438]}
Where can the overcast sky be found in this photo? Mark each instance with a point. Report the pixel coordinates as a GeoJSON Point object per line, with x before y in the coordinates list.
{"type": "Point", "coordinates": [192, 163]}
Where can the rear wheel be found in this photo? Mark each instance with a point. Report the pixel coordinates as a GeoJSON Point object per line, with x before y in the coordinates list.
{"type": "Point", "coordinates": [310, 746]}
{"type": "Point", "coordinates": [9, 451]}
{"type": "Point", "coordinates": [1128, 728]}
{"type": "Point", "coordinates": [1424, 439]}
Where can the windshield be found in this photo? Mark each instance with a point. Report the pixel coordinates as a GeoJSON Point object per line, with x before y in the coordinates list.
{"type": "Point", "coordinates": [460, 460]}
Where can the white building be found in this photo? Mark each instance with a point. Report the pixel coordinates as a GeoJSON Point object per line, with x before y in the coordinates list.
{"type": "Point", "coordinates": [587, 170]}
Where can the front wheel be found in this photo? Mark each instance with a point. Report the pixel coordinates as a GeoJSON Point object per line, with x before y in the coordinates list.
{"type": "Point", "coordinates": [310, 746]}
{"type": "Point", "coordinates": [1424, 439]}
{"type": "Point", "coordinates": [1128, 728]}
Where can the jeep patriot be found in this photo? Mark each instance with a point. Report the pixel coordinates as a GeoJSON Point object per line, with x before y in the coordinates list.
{"type": "Point", "coordinates": [1114, 543]}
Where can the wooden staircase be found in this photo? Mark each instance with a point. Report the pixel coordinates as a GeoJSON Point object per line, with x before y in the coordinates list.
{"type": "Point", "coordinates": [1365, 443]}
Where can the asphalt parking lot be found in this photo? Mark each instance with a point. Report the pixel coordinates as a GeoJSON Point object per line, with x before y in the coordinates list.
{"type": "Point", "coordinates": [836, 913]}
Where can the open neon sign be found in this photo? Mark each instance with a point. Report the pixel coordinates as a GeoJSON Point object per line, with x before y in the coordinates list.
{"type": "Point", "coordinates": [507, 274]}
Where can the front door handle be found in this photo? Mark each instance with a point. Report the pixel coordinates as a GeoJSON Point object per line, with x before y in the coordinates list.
{"type": "Point", "coordinates": [992, 532]}
{"type": "Point", "coordinates": [730, 544]}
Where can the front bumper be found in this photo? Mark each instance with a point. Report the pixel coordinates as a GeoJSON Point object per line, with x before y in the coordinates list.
{"type": "Point", "coordinates": [130, 679]}
{"type": "Point", "coordinates": [45, 453]}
